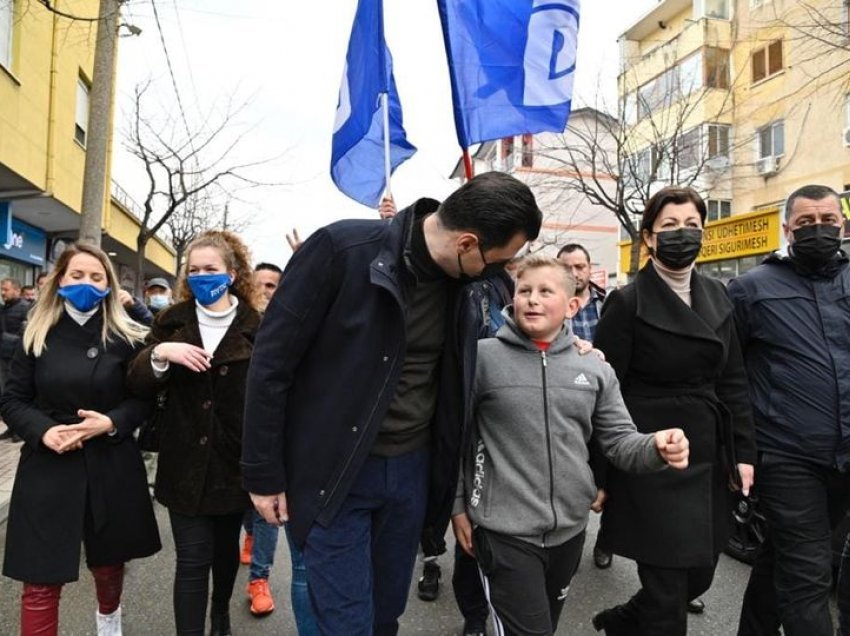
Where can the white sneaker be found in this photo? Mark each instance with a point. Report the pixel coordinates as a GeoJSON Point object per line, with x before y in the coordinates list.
{"type": "Point", "coordinates": [109, 624]}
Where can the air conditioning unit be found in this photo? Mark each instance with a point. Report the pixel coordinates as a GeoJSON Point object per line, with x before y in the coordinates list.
{"type": "Point", "coordinates": [847, 137]}
{"type": "Point", "coordinates": [767, 166]}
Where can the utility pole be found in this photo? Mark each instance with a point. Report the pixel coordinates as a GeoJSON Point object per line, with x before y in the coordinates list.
{"type": "Point", "coordinates": [99, 123]}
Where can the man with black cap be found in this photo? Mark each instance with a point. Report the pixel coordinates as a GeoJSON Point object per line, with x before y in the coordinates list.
{"type": "Point", "coordinates": [157, 294]}
{"type": "Point", "coordinates": [793, 316]}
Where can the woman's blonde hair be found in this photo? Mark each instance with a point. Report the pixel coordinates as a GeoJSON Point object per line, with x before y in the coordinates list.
{"type": "Point", "coordinates": [48, 310]}
{"type": "Point", "coordinates": [236, 257]}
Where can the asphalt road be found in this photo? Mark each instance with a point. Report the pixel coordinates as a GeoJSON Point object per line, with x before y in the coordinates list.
{"type": "Point", "coordinates": [147, 598]}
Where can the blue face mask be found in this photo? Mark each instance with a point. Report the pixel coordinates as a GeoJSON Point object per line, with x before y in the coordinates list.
{"type": "Point", "coordinates": [158, 301]}
{"type": "Point", "coordinates": [208, 288]}
{"type": "Point", "coordinates": [83, 297]}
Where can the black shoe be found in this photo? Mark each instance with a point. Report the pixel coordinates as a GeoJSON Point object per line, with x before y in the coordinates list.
{"type": "Point", "coordinates": [601, 557]}
{"type": "Point", "coordinates": [474, 628]}
{"type": "Point", "coordinates": [429, 583]}
{"type": "Point", "coordinates": [220, 624]}
{"type": "Point", "coordinates": [696, 606]}
{"type": "Point", "coordinates": [616, 621]}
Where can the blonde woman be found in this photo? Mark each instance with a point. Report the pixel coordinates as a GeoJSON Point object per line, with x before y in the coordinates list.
{"type": "Point", "coordinates": [198, 351]}
{"type": "Point", "coordinates": [80, 478]}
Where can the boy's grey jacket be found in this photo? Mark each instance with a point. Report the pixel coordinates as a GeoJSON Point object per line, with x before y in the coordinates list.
{"type": "Point", "coordinates": [525, 472]}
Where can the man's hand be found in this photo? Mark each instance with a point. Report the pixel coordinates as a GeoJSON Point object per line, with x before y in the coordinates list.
{"type": "Point", "coordinates": [125, 298]}
{"type": "Point", "coordinates": [189, 355]}
{"type": "Point", "coordinates": [585, 347]}
{"type": "Point", "coordinates": [599, 502]}
{"type": "Point", "coordinates": [294, 241]}
{"type": "Point", "coordinates": [272, 508]}
{"type": "Point", "coordinates": [673, 447]}
{"type": "Point", "coordinates": [463, 532]}
{"type": "Point", "coordinates": [387, 209]}
{"type": "Point", "coordinates": [747, 474]}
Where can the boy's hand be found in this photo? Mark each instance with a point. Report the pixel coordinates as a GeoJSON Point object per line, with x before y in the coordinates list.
{"type": "Point", "coordinates": [673, 447]}
{"type": "Point", "coordinates": [463, 532]}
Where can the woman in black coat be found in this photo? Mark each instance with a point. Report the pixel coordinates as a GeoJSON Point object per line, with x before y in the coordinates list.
{"type": "Point", "coordinates": [80, 477]}
{"type": "Point", "coordinates": [671, 339]}
{"type": "Point", "coordinates": [198, 353]}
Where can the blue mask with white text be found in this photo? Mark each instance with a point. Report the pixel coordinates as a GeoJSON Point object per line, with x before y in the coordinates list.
{"type": "Point", "coordinates": [208, 288]}
{"type": "Point", "coordinates": [83, 297]}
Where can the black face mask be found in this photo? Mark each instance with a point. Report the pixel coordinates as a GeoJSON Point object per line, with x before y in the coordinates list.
{"type": "Point", "coordinates": [489, 268]}
{"type": "Point", "coordinates": [677, 249]}
{"type": "Point", "coordinates": [815, 245]}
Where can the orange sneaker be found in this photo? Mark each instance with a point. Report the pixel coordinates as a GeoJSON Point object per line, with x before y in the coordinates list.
{"type": "Point", "coordinates": [247, 547]}
{"type": "Point", "coordinates": [260, 594]}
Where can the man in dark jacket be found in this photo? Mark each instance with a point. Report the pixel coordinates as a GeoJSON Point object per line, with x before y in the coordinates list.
{"type": "Point", "coordinates": [355, 398]}
{"type": "Point", "coordinates": [793, 315]}
{"type": "Point", "coordinates": [13, 318]}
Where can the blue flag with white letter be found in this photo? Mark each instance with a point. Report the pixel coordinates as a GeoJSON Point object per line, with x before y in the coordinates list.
{"type": "Point", "coordinates": [512, 64]}
{"type": "Point", "coordinates": [358, 163]}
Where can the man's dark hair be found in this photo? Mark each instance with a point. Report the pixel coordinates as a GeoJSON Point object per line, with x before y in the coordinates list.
{"type": "Point", "coordinates": [812, 192]}
{"type": "Point", "coordinates": [665, 196]}
{"type": "Point", "coordinates": [27, 288]}
{"type": "Point", "coordinates": [495, 206]}
{"type": "Point", "coordinates": [14, 281]}
{"type": "Point", "coordinates": [569, 248]}
{"type": "Point", "coordinates": [268, 266]}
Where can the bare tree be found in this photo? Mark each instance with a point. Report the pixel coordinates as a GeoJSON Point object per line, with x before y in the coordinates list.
{"type": "Point", "coordinates": [184, 169]}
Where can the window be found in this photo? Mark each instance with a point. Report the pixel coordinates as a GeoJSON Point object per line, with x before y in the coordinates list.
{"type": "Point", "coordinates": [527, 151]}
{"type": "Point", "coordinates": [81, 121]}
{"type": "Point", "coordinates": [690, 74]}
{"type": "Point", "coordinates": [718, 209]}
{"type": "Point", "coordinates": [718, 140]}
{"type": "Point", "coordinates": [847, 111]}
{"type": "Point", "coordinates": [771, 140]}
{"type": "Point", "coordinates": [7, 12]}
{"type": "Point", "coordinates": [767, 61]}
{"type": "Point", "coordinates": [688, 149]}
{"type": "Point", "coordinates": [716, 9]}
{"type": "Point", "coordinates": [716, 68]}
{"type": "Point", "coordinates": [630, 109]}
{"type": "Point", "coordinates": [657, 94]}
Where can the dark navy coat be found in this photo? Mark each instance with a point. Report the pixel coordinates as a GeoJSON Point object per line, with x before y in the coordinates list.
{"type": "Point", "coordinates": [795, 333]}
{"type": "Point", "coordinates": [326, 364]}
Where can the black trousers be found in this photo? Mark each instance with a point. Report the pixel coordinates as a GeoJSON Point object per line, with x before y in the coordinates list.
{"type": "Point", "coordinates": [469, 592]}
{"type": "Point", "coordinates": [791, 578]}
{"type": "Point", "coordinates": [525, 584]}
{"type": "Point", "coordinates": [204, 543]}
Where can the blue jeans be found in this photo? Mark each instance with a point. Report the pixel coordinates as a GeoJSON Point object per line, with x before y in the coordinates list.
{"type": "Point", "coordinates": [305, 620]}
{"type": "Point", "coordinates": [359, 567]}
{"type": "Point", "coordinates": [265, 544]}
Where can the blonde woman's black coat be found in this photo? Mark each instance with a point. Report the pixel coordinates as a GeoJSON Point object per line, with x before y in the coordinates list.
{"type": "Point", "coordinates": [198, 470]}
{"type": "Point", "coordinates": [680, 367]}
{"type": "Point", "coordinates": [105, 481]}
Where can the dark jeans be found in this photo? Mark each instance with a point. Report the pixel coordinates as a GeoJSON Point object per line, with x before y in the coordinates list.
{"type": "Point", "coordinates": [203, 543]}
{"type": "Point", "coordinates": [790, 581]}
{"type": "Point", "coordinates": [662, 601]}
{"type": "Point", "coordinates": [526, 584]}
{"type": "Point", "coordinates": [843, 591]}
{"type": "Point", "coordinates": [299, 592]}
{"type": "Point", "coordinates": [359, 567]}
{"type": "Point", "coordinates": [264, 545]}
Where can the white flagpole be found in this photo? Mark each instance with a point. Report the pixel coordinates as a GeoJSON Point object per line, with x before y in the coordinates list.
{"type": "Point", "coordinates": [385, 105]}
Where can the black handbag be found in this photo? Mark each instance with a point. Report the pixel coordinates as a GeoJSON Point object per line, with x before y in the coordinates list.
{"type": "Point", "coordinates": [151, 428]}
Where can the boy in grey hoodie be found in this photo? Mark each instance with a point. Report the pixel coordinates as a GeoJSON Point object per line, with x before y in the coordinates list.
{"type": "Point", "coordinates": [526, 486]}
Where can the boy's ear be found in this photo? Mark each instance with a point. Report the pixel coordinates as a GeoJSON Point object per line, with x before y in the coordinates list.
{"type": "Point", "coordinates": [573, 305]}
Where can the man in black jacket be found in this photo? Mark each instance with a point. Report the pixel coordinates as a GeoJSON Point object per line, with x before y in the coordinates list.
{"type": "Point", "coordinates": [13, 318]}
{"type": "Point", "coordinates": [356, 393]}
{"type": "Point", "coordinates": [793, 316]}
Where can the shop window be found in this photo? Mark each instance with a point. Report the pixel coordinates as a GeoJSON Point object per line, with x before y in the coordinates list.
{"type": "Point", "coordinates": [508, 153]}
{"type": "Point", "coordinates": [7, 13]}
{"type": "Point", "coordinates": [767, 61]}
{"type": "Point", "coordinates": [718, 209]}
{"type": "Point", "coordinates": [81, 120]}
{"type": "Point", "coordinates": [527, 151]}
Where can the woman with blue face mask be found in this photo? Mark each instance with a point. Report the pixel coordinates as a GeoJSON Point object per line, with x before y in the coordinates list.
{"type": "Point", "coordinates": [198, 352]}
{"type": "Point", "coordinates": [80, 478]}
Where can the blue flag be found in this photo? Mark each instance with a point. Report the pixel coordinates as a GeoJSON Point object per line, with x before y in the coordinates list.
{"type": "Point", "coordinates": [357, 158]}
{"type": "Point", "coordinates": [511, 63]}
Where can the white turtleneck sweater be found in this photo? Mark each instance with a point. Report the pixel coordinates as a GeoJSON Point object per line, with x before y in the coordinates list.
{"type": "Point", "coordinates": [80, 317]}
{"type": "Point", "coordinates": [679, 280]}
{"type": "Point", "coordinates": [212, 324]}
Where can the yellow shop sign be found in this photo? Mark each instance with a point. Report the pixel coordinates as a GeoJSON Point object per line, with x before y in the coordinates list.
{"type": "Point", "coordinates": [741, 235]}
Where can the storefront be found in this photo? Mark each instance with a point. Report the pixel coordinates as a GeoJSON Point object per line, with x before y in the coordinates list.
{"type": "Point", "coordinates": [730, 246]}
{"type": "Point", "coordinates": [22, 248]}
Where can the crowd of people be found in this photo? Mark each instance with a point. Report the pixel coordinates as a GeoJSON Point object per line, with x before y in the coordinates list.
{"type": "Point", "coordinates": [423, 371]}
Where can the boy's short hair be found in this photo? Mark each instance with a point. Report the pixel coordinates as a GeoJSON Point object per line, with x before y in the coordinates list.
{"type": "Point", "coordinates": [536, 261]}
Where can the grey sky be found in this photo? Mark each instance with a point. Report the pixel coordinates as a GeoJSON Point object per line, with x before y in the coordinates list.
{"type": "Point", "coordinates": [287, 57]}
